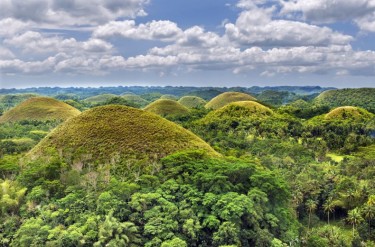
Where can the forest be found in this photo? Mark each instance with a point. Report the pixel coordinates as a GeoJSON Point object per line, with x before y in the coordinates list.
{"type": "Point", "coordinates": [184, 166]}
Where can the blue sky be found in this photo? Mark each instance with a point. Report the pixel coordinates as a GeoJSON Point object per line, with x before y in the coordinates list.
{"type": "Point", "coordinates": [180, 42]}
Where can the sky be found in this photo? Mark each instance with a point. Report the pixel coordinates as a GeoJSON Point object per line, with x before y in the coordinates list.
{"type": "Point", "coordinates": [187, 43]}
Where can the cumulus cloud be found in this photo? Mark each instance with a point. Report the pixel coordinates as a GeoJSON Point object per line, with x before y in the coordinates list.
{"type": "Point", "coordinates": [255, 26]}
{"type": "Point", "coordinates": [38, 43]}
{"type": "Point", "coordinates": [10, 27]}
{"type": "Point", "coordinates": [330, 11]}
{"type": "Point", "coordinates": [155, 30]}
{"type": "Point", "coordinates": [71, 12]}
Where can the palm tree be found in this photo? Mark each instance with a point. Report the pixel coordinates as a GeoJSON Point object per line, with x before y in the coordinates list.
{"type": "Point", "coordinates": [369, 214]}
{"type": "Point", "coordinates": [354, 218]}
{"type": "Point", "coordinates": [311, 207]}
{"type": "Point", "coordinates": [329, 207]}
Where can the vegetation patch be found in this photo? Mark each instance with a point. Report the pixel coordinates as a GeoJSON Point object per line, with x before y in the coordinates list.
{"type": "Point", "coordinates": [136, 99]}
{"type": "Point", "coordinates": [226, 98]}
{"type": "Point", "coordinates": [40, 109]}
{"type": "Point", "coordinates": [98, 99]}
{"type": "Point", "coordinates": [360, 97]}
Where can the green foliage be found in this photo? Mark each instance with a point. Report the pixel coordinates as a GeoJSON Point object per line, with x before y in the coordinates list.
{"type": "Point", "coordinates": [99, 99]}
{"type": "Point", "coordinates": [360, 97]}
{"type": "Point", "coordinates": [135, 99]}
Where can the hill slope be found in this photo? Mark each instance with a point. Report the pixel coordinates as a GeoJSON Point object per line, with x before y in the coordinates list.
{"type": "Point", "coordinates": [167, 108]}
{"type": "Point", "coordinates": [192, 101]}
{"type": "Point", "coordinates": [226, 98]}
{"type": "Point", "coordinates": [136, 99]}
{"type": "Point", "coordinates": [41, 109]}
{"type": "Point", "coordinates": [104, 132]}
{"type": "Point", "coordinates": [348, 113]}
{"type": "Point", "coordinates": [360, 97]}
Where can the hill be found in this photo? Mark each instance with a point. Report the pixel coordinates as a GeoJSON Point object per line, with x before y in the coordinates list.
{"type": "Point", "coordinates": [240, 110]}
{"type": "Point", "coordinates": [192, 101]}
{"type": "Point", "coordinates": [108, 131]}
{"type": "Point", "coordinates": [348, 113]}
{"type": "Point", "coordinates": [360, 97]}
{"type": "Point", "coordinates": [41, 109]}
{"type": "Point", "coordinates": [226, 98]}
{"type": "Point", "coordinates": [136, 99]}
{"type": "Point", "coordinates": [167, 108]}
{"type": "Point", "coordinates": [98, 99]}
{"type": "Point", "coordinates": [169, 96]}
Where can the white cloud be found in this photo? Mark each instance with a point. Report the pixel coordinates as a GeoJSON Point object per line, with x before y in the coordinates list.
{"type": "Point", "coordinates": [329, 11]}
{"type": "Point", "coordinates": [255, 26]}
{"type": "Point", "coordinates": [10, 27]}
{"type": "Point", "coordinates": [6, 53]}
{"type": "Point", "coordinates": [155, 30]}
{"type": "Point", "coordinates": [38, 43]}
{"type": "Point", "coordinates": [56, 13]}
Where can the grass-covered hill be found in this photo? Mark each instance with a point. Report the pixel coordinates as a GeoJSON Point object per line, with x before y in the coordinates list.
{"type": "Point", "coordinates": [8, 101]}
{"type": "Point", "coordinates": [241, 109]}
{"type": "Point", "coordinates": [348, 113]}
{"type": "Point", "coordinates": [192, 101]}
{"type": "Point", "coordinates": [360, 97]}
{"type": "Point", "coordinates": [169, 96]}
{"type": "Point", "coordinates": [99, 99]}
{"type": "Point", "coordinates": [226, 98]}
{"type": "Point", "coordinates": [40, 109]}
{"type": "Point", "coordinates": [136, 99]}
{"type": "Point", "coordinates": [167, 108]}
{"type": "Point", "coordinates": [108, 131]}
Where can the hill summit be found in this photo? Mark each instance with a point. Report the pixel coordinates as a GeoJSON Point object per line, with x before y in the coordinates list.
{"type": "Point", "coordinates": [41, 109]}
{"type": "Point", "coordinates": [348, 113]}
{"type": "Point", "coordinates": [167, 108]}
{"type": "Point", "coordinates": [226, 98]}
{"type": "Point", "coordinates": [101, 133]}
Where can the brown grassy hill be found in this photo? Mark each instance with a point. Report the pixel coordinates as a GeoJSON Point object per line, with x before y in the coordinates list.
{"type": "Point", "coordinates": [167, 108]}
{"type": "Point", "coordinates": [101, 133]}
{"type": "Point", "coordinates": [41, 109]}
{"type": "Point", "coordinates": [226, 98]}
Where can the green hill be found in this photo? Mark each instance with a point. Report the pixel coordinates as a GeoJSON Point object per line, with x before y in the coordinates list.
{"type": "Point", "coordinates": [101, 133]}
{"type": "Point", "coordinates": [41, 109]}
{"type": "Point", "coordinates": [226, 98]}
{"type": "Point", "coordinates": [192, 101]}
{"type": "Point", "coordinates": [98, 99]}
{"type": "Point", "coordinates": [136, 99]}
{"type": "Point", "coordinates": [169, 96]}
{"type": "Point", "coordinates": [360, 97]}
{"type": "Point", "coordinates": [167, 108]}
{"type": "Point", "coordinates": [240, 110]}
{"type": "Point", "coordinates": [348, 113]}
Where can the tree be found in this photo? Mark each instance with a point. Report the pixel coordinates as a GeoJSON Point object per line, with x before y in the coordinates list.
{"type": "Point", "coordinates": [114, 233]}
{"type": "Point", "coordinates": [329, 207]}
{"type": "Point", "coordinates": [354, 218]}
{"type": "Point", "coordinates": [311, 207]}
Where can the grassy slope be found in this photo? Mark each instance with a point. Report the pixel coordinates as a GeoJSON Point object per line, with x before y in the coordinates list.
{"type": "Point", "coordinates": [166, 107]}
{"type": "Point", "coordinates": [348, 113]}
{"type": "Point", "coordinates": [101, 98]}
{"type": "Point", "coordinates": [239, 110]}
{"type": "Point", "coordinates": [192, 101]}
{"type": "Point", "coordinates": [40, 108]}
{"type": "Point", "coordinates": [107, 130]}
{"type": "Point", "coordinates": [226, 98]}
{"type": "Point", "coordinates": [136, 99]}
{"type": "Point", "coordinates": [360, 97]}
